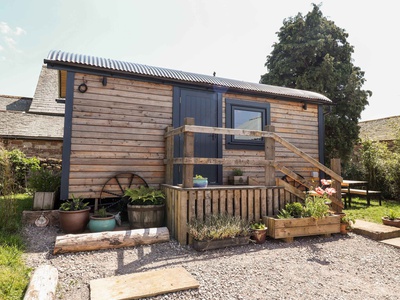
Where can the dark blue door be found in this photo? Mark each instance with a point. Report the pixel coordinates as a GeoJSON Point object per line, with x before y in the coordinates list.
{"type": "Point", "coordinates": [206, 109]}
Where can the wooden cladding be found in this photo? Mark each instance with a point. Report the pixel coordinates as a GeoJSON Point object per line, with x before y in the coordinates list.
{"type": "Point", "coordinates": [117, 128]}
{"type": "Point", "coordinates": [249, 203]}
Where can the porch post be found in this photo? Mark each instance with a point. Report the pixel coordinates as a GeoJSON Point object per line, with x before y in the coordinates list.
{"type": "Point", "coordinates": [335, 167]}
{"type": "Point", "coordinates": [169, 155]}
{"type": "Point", "coordinates": [269, 155]}
{"type": "Point", "coordinates": [188, 151]}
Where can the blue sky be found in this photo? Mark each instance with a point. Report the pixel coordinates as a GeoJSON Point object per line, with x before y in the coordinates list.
{"type": "Point", "coordinates": [230, 37]}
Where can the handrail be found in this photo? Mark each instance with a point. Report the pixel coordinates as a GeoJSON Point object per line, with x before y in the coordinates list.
{"type": "Point", "coordinates": [257, 133]}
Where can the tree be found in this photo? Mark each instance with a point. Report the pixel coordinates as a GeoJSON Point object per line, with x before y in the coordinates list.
{"type": "Point", "coordinates": [313, 54]}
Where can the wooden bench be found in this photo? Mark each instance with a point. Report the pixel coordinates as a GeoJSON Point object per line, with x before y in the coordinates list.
{"type": "Point", "coordinates": [361, 192]}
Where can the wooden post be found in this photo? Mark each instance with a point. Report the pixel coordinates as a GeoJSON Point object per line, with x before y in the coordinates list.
{"type": "Point", "coordinates": [335, 167]}
{"type": "Point", "coordinates": [269, 155]}
{"type": "Point", "coordinates": [188, 151]}
{"type": "Point", "coordinates": [169, 155]}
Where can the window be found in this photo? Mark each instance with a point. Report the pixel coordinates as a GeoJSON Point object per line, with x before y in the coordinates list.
{"type": "Point", "coordinates": [249, 115]}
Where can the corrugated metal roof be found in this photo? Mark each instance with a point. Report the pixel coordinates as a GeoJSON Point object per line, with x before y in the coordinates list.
{"type": "Point", "coordinates": [144, 70]}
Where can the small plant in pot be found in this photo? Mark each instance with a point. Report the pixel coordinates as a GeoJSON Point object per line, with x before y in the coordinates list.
{"type": "Point", "coordinates": [200, 181]}
{"type": "Point", "coordinates": [238, 178]}
{"type": "Point", "coordinates": [258, 232]}
{"type": "Point", "coordinates": [391, 219]}
{"type": "Point", "coordinates": [146, 207]}
{"type": "Point", "coordinates": [346, 223]}
{"type": "Point", "coordinates": [101, 220]}
{"type": "Point", "coordinates": [74, 215]}
{"type": "Point", "coordinates": [44, 184]}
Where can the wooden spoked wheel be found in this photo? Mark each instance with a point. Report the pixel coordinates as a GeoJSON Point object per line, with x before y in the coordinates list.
{"type": "Point", "coordinates": [114, 189]}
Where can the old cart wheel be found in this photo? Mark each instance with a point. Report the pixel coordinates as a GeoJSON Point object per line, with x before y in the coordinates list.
{"type": "Point", "coordinates": [114, 189]}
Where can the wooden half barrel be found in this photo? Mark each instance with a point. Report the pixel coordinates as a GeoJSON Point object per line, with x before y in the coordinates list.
{"type": "Point", "coordinates": [146, 216]}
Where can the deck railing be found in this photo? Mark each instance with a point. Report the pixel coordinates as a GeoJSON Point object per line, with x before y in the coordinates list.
{"type": "Point", "coordinates": [185, 202]}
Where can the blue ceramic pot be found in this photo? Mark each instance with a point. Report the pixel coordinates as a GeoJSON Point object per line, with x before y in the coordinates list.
{"type": "Point", "coordinates": [200, 182]}
{"type": "Point", "coordinates": [98, 224]}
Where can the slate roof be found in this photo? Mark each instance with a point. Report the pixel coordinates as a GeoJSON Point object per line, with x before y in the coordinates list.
{"type": "Point", "coordinates": [46, 94]}
{"type": "Point", "coordinates": [57, 58]}
{"type": "Point", "coordinates": [380, 129]}
{"type": "Point", "coordinates": [17, 122]}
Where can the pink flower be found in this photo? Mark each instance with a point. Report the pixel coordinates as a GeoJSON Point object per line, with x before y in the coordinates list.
{"type": "Point", "coordinates": [319, 191]}
{"type": "Point", "coordinates": [325, 182]}
{"type": "Point", "coordinates": [330, 191]}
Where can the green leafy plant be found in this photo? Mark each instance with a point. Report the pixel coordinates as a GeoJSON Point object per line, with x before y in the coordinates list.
{"type": "Point", "coordinates": [348, 219]}
{"type": "Point", "coordinates": [145, 196]}
{"type": "Point", "coordinates": [237, 172]}
{"type": "Point", "coordinates": [257, 225]}
{"type": "Point", "coordinates": [198, 177]}
{"type": "Point", "coordinates": [315, 207]}
{"type": "Point", "coordinates": [101, 213]}
{"type": "Point", "coordinates": [391, 215]}
{"type": "Point", "coordinates": [74, 204]}
{"type": "Point", "coordinates": [295, 209]}
{"type": "Point", "coordinates": [217, 227]}
{"type": "Point", "coordinates": [21, 166]}
{"type": "Point", "coordinates": [44, 180]}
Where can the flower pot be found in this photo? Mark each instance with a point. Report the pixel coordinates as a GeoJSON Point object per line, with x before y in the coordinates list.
{"type": "Point", "coordinates": [218, 244]}
{"type": "Point", "coordinates": [343, 228]}
{"type": "Point", "coordinates": [395, 222]}
{"type": "Point", "coordinates": [146, 216]}
{"type": "Point", "coordinates": [74, 221]}
{"type": "Point", "coordinates": [259, 235]}
{"type": "Point", "coordinates": [238, 180]}
{"type": "Point", "coordinates": [98, 224]}
{"type": "Point", "coordinates": [200, 182]}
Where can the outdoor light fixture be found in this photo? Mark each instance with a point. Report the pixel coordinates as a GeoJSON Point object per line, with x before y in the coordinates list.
{"type": "Point", "coordinates": [104, 81]}
{"type": "Point", "coordinates": [304, 106]}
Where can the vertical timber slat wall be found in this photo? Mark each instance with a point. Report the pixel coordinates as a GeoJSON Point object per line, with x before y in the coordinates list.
{"type": "Point", "coordinates": [248, 203]}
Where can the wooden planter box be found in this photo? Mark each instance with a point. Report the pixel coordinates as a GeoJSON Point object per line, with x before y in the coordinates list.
{"type": "Point", "coordinates": [289, 228]}
{"type": "Point", "coordinates": [395, 222]}
{"type": "Point", "coordinates": [44, 201]}
{"type": "Point", "coordinates": [218, 244]}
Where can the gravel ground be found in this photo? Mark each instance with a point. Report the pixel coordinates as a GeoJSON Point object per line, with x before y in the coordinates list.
{"type": "Point", "coordinates": [339, 267]}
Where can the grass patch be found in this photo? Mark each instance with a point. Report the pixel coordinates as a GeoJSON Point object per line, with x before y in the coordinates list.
{"type": "Point", "coordinates": [14, 275]}
{"type": "Point", "coordinates": [374, 212]}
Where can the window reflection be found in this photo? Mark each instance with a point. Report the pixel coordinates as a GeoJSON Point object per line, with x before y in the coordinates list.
{"type": "Point", "coordinates": [249, 120]}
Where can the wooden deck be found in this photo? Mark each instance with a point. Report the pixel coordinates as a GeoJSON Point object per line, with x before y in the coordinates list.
{"type": "Point", "coordinates": [249, 202]}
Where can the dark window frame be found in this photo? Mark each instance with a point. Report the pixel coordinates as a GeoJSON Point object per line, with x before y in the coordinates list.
{"type": "Point", "coordinates": [236, 104]}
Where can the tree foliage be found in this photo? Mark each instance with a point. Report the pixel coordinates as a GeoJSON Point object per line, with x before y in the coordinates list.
{"type": "Point", "coordinates": [313, 54]}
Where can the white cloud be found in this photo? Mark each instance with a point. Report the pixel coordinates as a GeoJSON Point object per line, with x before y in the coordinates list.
{"type": "Point", "coordinates": [9, 35]}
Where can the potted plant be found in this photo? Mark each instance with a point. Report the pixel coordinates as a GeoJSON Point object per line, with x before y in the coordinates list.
{"type": "Point", "coordinates": [258, 232]}
{"type": "Point", "coordinates": [218, 231]}
{"type": "Point", "coordinates": [101, 220]}
{"type": "Point", "coordinates": [200, 181]}
{"type": "Point", "coordinates": [346, 222]}
{"type": "Point", "coordinates": [44, 184]}
{"type": "Point", "coordinates": [146, 207]}
{"type": "Point", "coordinates": [391, 219]}
{"type": "Point", "coordinates": [237, 178]}
{"type": "Point", "coordinates": [74, 215]}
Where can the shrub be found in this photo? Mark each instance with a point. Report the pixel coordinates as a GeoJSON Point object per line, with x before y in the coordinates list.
{"type": "Point", "coordinates": [217, 227]}
{"type": "Point", "coordinates": [21, 166]}
{"type": "Point", "coordinates": [43, 180]}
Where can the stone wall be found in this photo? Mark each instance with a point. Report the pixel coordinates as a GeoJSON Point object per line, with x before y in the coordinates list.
{"type": "Point", "coordinates": [40, 148]}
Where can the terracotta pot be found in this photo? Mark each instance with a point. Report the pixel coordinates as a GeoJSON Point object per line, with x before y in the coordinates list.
{"type": "Point", "coordinates": [343, 228]}
{"type": "Point", "coordinates": [259, 235]}
{"type": "Point", "coordinates": [395, 222]}
{"type": "Point", "coordinates": [74, 221]}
